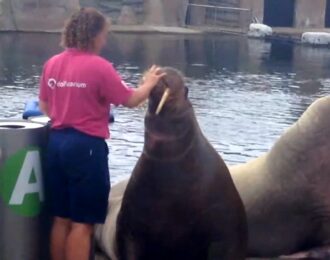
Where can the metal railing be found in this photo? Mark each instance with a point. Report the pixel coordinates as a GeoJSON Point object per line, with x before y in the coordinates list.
{"type": "Point", "coordinates": [219, 16]}
{"type": "Point", "coordinates": [220, 7]}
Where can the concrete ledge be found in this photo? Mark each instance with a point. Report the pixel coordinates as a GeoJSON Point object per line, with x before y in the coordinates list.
{"type": "Point", "coordinates": [219, 30]}
{"type": "Point", "coordinates": [126, 29]}
{"type": "Point", "coordinates": [296, 33]}
{"type": "Point", "coordinates": [285, 34]}
{"type": "Point", "coordinates": [153, 29]}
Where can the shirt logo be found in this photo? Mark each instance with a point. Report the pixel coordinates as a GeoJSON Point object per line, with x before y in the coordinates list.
{"type": "Point", "coordinates": [52, 83]}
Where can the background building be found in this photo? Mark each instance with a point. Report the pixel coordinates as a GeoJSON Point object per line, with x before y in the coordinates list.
{"type": "Point", "coordinates": [301, 14]}
{"type": "Point", "coordinates": [41, 15]}
{"type": "Point", "coordinates": [291, 13]}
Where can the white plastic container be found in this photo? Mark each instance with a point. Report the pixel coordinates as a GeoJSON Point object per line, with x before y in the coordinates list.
{"type": "Point", "coordinates": [259, 30]}
{"type": "Point", "coordinates": [316, 38]}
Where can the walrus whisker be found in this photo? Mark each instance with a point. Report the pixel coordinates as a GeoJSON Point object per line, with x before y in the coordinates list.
{"type": "Point", "coordinates": [163, 101]}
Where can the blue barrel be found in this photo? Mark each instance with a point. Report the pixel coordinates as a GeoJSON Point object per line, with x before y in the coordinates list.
{"type": "Point", "coordinates": [32, 109]}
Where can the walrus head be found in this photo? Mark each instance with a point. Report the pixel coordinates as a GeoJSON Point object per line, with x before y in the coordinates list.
{"type": "Point", "coordinates": [177, 100]}
{"type": "Point", "coordinates": [171, 126]}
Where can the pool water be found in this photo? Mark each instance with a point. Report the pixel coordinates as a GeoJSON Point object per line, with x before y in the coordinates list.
{"type": "Point", "coordinates": [245, 92]}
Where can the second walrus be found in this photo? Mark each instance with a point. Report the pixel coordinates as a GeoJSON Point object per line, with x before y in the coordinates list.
{"type": "Point", "coordinates": [180, 202]}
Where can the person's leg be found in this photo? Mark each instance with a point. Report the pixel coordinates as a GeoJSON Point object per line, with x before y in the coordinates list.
{"type": "Point", "coordinates": [57, 197]}
{"type": "Point", "coordinates": [86, 163]}
{"type": "Point", "coordinates": [78, 244]}
{"type": "Point", "coordinates": [60, 231]}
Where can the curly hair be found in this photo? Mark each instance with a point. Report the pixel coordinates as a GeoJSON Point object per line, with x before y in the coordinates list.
{"type": "Point", "coordinates": [82, 28]}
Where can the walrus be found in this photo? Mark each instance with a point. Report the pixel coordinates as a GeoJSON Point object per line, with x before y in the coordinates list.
{"type": "Point", "coordinates": [285, 193]}
{"type": "Point", "coordinates": [180, 202]}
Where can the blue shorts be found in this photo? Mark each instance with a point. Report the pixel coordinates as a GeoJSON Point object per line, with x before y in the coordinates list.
{"type": "Point", "coordinates": [77, 178]}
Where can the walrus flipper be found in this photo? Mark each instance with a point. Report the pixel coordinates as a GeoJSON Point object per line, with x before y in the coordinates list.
{"type": "Point", "coordinates": [127, 247]}
{"type": "Point", "coordinates": [218, 251]}
{"type": "Point", "coordinates": [233, 246]}
{"type": "Point", "coordinates": [225, 250]}
{"type": "Point", "coordinates": [317, 253]}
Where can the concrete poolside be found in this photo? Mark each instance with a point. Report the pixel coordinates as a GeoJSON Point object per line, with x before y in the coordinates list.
{"type": "Point", "coordinates": [154, 29]}
{"type": "Point", "coordinates": [279, 33]}
{"type": "Point", "coordinates": [295, 33]}
{"type": "Point", "coordinates": [125, 29]}
{"type": "Point", "coordinates": [285, 33]}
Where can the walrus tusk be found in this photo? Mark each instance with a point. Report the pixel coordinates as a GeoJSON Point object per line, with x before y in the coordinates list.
{"type": "Point", "coordinates": [163, 101]}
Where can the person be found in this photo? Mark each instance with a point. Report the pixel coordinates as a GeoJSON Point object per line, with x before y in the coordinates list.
{"type": "Point", "coordinates": [76, 89]}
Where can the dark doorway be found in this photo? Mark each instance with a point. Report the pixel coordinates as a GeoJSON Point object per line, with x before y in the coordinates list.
{"type": "Point", "coordinates": [327, 14]}
{"type": "Point", "coordinates": [279, 13]}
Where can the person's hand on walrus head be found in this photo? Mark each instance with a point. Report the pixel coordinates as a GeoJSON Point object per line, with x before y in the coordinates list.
{"type": "Point", "coordinates": [142, 92]}
{"type": "Point", "coordinates": [150, 78]}
{"type": "Point", "coordinates": [153, 75]}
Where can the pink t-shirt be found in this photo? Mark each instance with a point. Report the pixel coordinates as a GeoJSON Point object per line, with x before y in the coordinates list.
{"type": "Point", "coordinates": [79, 88]}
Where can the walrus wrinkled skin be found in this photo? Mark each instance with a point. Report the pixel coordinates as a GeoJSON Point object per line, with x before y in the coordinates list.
{"type": "Point", "coordinates": [285, 192]}
{"type": "Point", "coordinates": [180, 202]}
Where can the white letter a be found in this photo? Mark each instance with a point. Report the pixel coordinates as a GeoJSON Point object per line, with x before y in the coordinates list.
{"type": "Point", "coordinates": [23, 187]}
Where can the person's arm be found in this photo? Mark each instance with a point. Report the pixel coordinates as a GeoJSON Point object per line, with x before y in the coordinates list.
{"type": "Point", "coordinates": [140, 94]}
{"type": "Point", "coordinates": [43, 95]}
{"type": "Point", "coordinates": [116, 92]}
{"type": "Point", "coordinates": [43, 107]}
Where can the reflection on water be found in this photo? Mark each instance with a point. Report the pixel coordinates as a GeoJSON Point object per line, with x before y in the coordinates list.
{"type": "Point", "coordinates": [245, 92]}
